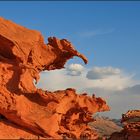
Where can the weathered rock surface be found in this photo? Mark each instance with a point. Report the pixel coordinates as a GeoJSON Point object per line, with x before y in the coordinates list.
{"type": "Point", "coordinates": [131, 131]}
{"type": "Point", "coordinates": [9, 130]}
{"type": "Point", "coordinates": [59, 114]}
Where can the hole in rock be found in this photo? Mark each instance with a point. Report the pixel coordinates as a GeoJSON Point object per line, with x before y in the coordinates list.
{"type": "Point", "coordinates": [60, 79]}
{"type": "Point", "coordinates": [53, 80]}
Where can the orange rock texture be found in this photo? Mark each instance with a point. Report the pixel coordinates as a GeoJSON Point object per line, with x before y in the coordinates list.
{"type": "Point", "coordinates": [60, 114]}
{"type": "Point", "coordinates": [131, 131]}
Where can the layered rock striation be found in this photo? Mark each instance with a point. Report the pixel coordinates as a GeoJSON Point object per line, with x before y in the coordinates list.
{"type": "Point", "coordinates": [59, 114]}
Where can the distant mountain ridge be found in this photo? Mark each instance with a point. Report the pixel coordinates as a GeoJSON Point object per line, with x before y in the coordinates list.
{"type": "Point", "coordinates": [106, 126]}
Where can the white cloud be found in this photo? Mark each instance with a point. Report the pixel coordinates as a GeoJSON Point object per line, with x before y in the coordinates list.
{"type": "Point", "coordinates": [116, 82]}
{"type": "Point", "coordinates": [102, 72]}
{"type": "Point", "coordinates": [110, 78]}
{"type": "Point", "coordinates": [74, 69]}
{"type": "Point", "coordinates": [58, 79]}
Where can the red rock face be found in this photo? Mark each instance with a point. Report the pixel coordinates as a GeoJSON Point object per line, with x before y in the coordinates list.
{"type": "Point", "coordinates": [59, 114]}
{"type": "Point", "coordinates": [131, 131]}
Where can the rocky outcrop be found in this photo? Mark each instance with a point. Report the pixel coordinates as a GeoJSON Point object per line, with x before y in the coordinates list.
{"type": "Point", "coordinates": [59, 114]}
{"type": "Point", "coordinates": [131, 131]}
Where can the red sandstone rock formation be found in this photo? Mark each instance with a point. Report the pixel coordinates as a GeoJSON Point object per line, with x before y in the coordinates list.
{"type": "Point", "coordinates": [131, 131]}
{"type": "Point", "coordinates": [9, 131]}
{"type": "Point", "coordinates": [59, 114]}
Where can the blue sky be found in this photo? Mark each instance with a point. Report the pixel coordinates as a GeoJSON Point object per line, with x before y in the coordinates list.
{"type": "Point", "coordinates": [108, 33]}
{"type": "Point", "coordinates": [113, 27]}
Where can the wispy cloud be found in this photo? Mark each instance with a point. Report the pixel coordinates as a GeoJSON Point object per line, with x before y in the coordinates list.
{"type": "Point", "coordinates": [92, 33]}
